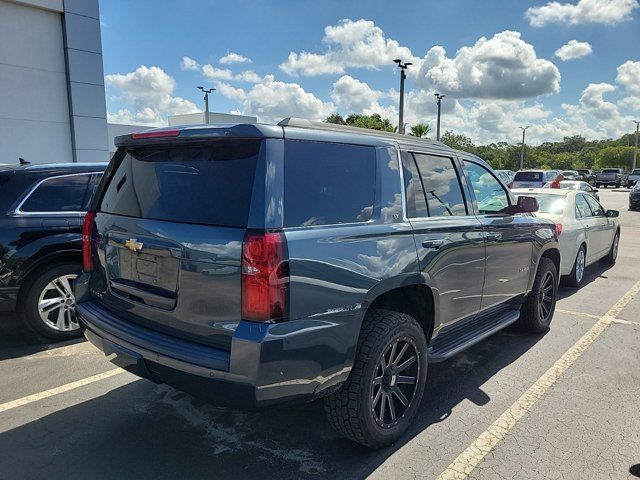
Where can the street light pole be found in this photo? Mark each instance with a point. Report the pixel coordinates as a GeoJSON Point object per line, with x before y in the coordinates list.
{"type": "Point", "coordinates": [524, 129]}
{"type": "Point", "coordinates": [439, 97]}
{"type": "Point", "coordinates": [402, 78]}
{"type": "Point", "coordinates": [206, 101]}
{"type": "Point", "coordinates": [635, 150]}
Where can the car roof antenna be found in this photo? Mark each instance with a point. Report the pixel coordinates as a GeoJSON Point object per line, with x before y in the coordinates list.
{"type": "Point", "coordinates": [23, 161]}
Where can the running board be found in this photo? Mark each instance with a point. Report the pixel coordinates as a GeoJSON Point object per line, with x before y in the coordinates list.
{"type": "Point", "coordinates": [460, 337]}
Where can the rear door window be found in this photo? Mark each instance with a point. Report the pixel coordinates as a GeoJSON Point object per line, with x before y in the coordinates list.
{"type": "Point", "coordinates": [441, 185]}
{"type": "Point", "coordinates": [328, 183]}
{"type": "Point", "coordinates": [209, 183]}
{"type": "Point", "coordinates": [58, 194]}
{"type": "Point", "coordinates": [582, 207]}
{"type": "Point", "coordinates": [528, 177]}
{"type": "Point", "coordinates": [416, 201]}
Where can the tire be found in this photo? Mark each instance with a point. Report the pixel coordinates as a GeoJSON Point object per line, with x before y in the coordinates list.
{"type": "Point", "coordinates": [48, 286]}
{"type": "Point", "coordinates": [350, 410]}
{"type": "Point", "coordinates": [534, 318]}
{"type": "Point", "coordinates": [613, 251]}
{"type": "Point", "coordinates": [577, 272]}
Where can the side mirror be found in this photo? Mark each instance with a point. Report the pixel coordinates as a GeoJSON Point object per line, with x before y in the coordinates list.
{"type": "Point", "coordinates": [595, 190]}
{"type": "Point", "coordinates": [612, 213]}
{"type": "Point", "coordinates": [527, 204]}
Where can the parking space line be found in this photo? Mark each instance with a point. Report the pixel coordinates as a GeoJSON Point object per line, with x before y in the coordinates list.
{"type": "Point", "coordinates": [471, 457]}
{"type": "Point", "coordinates": [625, 322]}
{"type": "Point", "coordinates": [577, 314]}
{"type": "Point", "coordinates": [58, 390]}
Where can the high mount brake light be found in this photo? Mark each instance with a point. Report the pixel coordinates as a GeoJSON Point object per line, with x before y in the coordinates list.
{"type": "Point", "coordinates": [87, 247]}
{"type": "Point", "coordinates": [265, 277]}
{"type": "Point", "coordinates": [155, 134]}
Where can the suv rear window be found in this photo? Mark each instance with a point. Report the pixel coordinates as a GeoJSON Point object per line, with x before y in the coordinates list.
{"type": "Point", "coordinates": [207, 184]}
{"type": "Point", "coordinates": [528, 177]}
{"type": "Point", "coordinates": [328, 183]}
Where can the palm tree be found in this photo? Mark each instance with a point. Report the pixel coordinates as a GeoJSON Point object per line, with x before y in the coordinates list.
{"type": "Point", "coordinates": [420, 130]}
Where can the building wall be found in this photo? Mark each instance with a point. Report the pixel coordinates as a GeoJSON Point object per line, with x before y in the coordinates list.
{"type": "Point", "coordinates": [52, 101]}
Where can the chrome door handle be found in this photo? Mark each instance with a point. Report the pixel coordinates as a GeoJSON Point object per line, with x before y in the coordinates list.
{"type": "Point", "coordinates": [494, 237]}
{"type": "Point", "coordinates": [435, 243]}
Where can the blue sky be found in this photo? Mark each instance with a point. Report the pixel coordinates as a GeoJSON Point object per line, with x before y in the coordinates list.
{"type": "Point", "coordinates": [564, 68]}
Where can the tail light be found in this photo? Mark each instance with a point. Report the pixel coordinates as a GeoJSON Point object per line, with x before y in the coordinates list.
{"type": "Point", "coordinates": [87, 249]}
{"type": "Point", "coordinates": [559, 228]}
{"type": "Point", "coordinates": [265, 277]}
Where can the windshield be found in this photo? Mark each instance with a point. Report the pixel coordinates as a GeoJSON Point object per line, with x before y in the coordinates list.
{"type": "Point", "coordinates": [611, 170]}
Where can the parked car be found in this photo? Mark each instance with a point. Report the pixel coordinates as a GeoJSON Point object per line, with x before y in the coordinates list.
{"type": "Point", "coordinates": [571, 175]}
{"type": "Point", "coordinates": [634, 197]}
{"type": "Point", "coordinates": [338, 261]}
{"type": "Point", "coordinates": [506, 176]}
{"type": "Point", "coordinates": [587, 232]}
{"type": "Point", "coordinates": [611, 177]}
{"type": "Point", "coordinates": [577, 185]}
{"type": "Point", "coordinates": [533, 178]}
{"type": "Point", "coordinates": [42, 208]}
{"type": "Point", "coordinates": [586, 175]}
{"type": "Point", "coordinates": [633, 177]}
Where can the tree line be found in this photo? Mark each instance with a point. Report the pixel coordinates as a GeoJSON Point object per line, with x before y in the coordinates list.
{"type": "Point", "coordinates": [569, 153]}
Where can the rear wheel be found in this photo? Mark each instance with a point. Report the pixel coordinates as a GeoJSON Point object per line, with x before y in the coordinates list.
{"type": "Point", "coordinates": [48, 305]}
{"type": "Point", "coordinates": [577, 273]}
{"type": "Point", "coordinates": [376, 405]}
{"type": "Point", "coordinates": [613, 251]}
{"type": "Point", "coordinates": [537, 310]}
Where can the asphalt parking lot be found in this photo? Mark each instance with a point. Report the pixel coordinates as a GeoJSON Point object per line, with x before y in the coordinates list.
{"type": "Point", "coordinates": [562, 405]}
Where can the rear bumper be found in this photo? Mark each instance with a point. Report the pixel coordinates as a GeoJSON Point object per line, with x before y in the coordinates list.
{"type": "Point", "coordinates": [267, 364]}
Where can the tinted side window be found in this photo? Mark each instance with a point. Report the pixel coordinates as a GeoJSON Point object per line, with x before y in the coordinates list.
{"type": "Point", "coordinates": [416, 202]}
{"type": "Point", "coordinates": [328, 183]}
{"type": "Point", "coordinates": [582, 207]}
{"type": "Point", "coordinates": [490, 194]}
{"type": "Point", "coordinates": [441, 185]}
{"type": "Point", "coordinates": [58, 194]}
{"type": "Point", "coordinates": [597, 210]}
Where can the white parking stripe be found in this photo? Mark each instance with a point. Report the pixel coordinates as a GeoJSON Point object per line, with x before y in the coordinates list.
{"type": "Point", "coordinates": [577, 314]}
{"type": "Point", "coordinates": [58, 390]}
{"type": "Point", "coordinates": [471, 457]}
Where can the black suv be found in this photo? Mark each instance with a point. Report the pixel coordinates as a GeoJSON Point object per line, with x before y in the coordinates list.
{"type": "Point", "coordinates": [41, 212]}
{"type": "Point", "coordinates": [258, 264]}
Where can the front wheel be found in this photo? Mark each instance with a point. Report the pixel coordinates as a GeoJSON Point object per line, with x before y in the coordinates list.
{"type": "Point", "coordinates": [48, 305]}
{"type": "Point", "coordinates": [377, 403]}
{"type": "Point", "coordinates": [537, 310]}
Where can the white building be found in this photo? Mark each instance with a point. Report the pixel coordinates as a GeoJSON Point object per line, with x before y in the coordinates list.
{"type": "Point", "coordinates": [52, 99]}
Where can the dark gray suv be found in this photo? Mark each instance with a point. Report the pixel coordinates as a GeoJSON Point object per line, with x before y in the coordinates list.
{"type": "Point", "coordinates": [260, 264]}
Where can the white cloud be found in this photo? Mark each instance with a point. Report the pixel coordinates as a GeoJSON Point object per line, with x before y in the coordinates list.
{"type": "Point", "coordinates": [212, 72]}
{"type": "Point", "coordinates": [502, 67]}
{"type": "Point", "coordinates": [273, 100]}
{"type": "Point", "coordinates": [248, 76]}
{"type": "Point", "coordinates": [149, 93]}
{"type": "Point", "coordinates": [573, 49]}
{"type": "Point", "coordinates": [234, 58]}
{"type": "Point", "coordinates": [585, 11]}
{"type": "Point", "coordinates": [355, 96]}
{"type": "Point", "coordinates": [629, 76]}
{"type": "Point", "coordinates": [188, 63]}
{"type": "Point", "coordinates": [350, 44]}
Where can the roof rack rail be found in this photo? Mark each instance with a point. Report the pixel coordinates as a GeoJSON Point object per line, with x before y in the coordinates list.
{"type": "Point", "coordinates": [304, 123]}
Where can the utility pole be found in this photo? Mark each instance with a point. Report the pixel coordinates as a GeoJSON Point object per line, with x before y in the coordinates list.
{"type": "Point", "coordinates": [402, 77]}
{"type": "Point", "coordinates": [635, 150]}
{"type": "Point", "coordinates": [206, 101]}
{"type": "Point", "coordinates": [524, 129]}
{"type": "Point", "coordinates": [439, 97]}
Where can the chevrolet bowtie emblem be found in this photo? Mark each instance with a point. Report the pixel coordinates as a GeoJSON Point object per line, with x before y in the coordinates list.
{"type": "Point", "coordinates": [133, 244]}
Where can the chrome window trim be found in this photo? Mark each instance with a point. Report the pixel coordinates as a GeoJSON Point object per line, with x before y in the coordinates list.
{"type": "Point", "coordinates": [18, 210]}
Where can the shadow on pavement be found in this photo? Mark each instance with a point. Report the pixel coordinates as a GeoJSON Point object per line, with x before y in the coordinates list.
{"type": "Point", "coordinates": [16, 340]}
{"type": "Point", "coordinates": [591, 273]}
{"type": "Point", "coordinates": [142, 430]}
